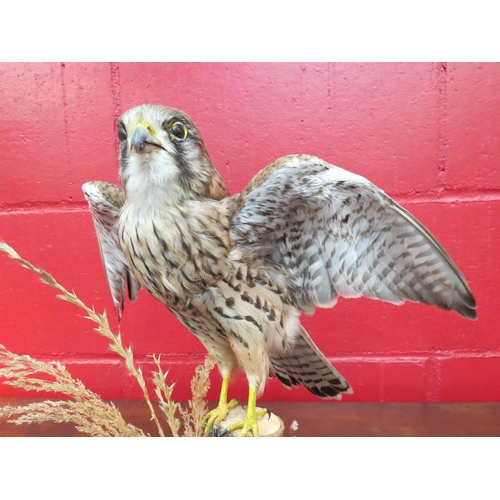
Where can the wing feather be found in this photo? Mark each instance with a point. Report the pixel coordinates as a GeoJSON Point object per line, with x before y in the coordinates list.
{"type": "Point", "coordinates": [105, 201]}
{"type": "Point", "coordinates": [336, 234]}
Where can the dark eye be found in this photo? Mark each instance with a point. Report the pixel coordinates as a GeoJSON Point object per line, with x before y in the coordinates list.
{"type": "Point", "coordinates": [122, 135]}
{"type": "Point", "coordinates": [178, 130]}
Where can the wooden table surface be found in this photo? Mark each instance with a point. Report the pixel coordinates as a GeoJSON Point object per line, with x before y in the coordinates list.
{"type": "Point", "coordinates": [323, 419]}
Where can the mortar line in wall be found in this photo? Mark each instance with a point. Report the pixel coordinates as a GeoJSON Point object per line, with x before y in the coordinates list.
{"type": "Point", "coordinates": [65, 117]}
{"type": "Point", "coordinates": [443, 117]}
{"type": "Point", "coordinates": [420, 358]}
{"type": "Point", "coordinates": [449, 196]}
{"type": "Point", "coordinates": [432, 377]}
{"type": "Point", "coordinates": [346, 357]}
{"type": "Point", "coordinates": [114, 70]}
{"type": "Point", "coordinates": [27, 207]}
{"type": "Point", "coordinates": [197, 359]}
{"type": "Point", "coordinates": [115, 359]}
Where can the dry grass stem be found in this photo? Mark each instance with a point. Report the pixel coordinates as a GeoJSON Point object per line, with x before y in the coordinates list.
{"type": "Point", "coordinates": [101, 320]}
{"type": "Point", "coordinates": [88, 412]}
{"type": "Point", "coordinates": [164, 394]}
{"type": "Point", "coordinates": [198, 408]}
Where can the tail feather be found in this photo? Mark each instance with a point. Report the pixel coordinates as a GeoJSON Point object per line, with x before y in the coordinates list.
{"type": "Point", "coordinates": [305, 365]}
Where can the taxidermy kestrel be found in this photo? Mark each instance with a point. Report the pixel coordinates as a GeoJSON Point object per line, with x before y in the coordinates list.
{"type": "Point", "coordinates": [238, 271]}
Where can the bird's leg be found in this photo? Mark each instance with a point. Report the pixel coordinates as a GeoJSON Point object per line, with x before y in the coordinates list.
{"type": "Point", "coordinates": [212, 419]}
{"type": "Point", "coordinates": [249, 423]}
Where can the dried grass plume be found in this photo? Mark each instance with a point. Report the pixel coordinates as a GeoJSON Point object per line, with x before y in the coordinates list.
{"type": "Point", "coordinates": [85, 409]}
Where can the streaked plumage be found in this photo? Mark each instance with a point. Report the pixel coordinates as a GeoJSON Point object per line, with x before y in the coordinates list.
{"type": "Point", "coordinates": [105, 201]}
{"type": "Point", "coordinates": [238, 271]}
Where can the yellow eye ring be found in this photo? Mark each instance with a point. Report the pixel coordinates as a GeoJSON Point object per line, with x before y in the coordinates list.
{"type": "Point", "coordinates": [177, 130]}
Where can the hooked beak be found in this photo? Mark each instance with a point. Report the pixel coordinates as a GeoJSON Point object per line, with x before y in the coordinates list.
{"type": "Point", "coordinates": [143, 141]}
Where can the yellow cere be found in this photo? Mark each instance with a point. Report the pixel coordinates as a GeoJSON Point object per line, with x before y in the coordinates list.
{"type": "Point", "coordinates": [147, 126]}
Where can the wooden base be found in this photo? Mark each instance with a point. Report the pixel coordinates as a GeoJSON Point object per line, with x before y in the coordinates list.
{"type": "Point", "coordinates": [318, 419]}
{"type": "Point", "coordinates": [269, 425]}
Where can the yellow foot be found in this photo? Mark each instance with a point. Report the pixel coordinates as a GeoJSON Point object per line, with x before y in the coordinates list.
{"type": "Point", "coordinates": [212, 420]}
{"type": "Point", "coordinates": [248, 424]}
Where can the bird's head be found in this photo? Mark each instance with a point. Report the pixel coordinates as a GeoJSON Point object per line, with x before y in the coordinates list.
{"type": "Point", "coordinates": [161, 150]}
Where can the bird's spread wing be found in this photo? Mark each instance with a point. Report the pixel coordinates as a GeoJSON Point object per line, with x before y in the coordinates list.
{"type": "Point", "coordinates": [105, 201]}
{"type": "Point", "coordinates": [336, 234]}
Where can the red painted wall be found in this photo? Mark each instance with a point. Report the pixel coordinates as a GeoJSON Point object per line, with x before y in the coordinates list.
{"type": "Point", "coordinates": [428, 134]}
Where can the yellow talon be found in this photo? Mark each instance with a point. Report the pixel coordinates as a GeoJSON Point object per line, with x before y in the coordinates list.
{"type": "Point", "coordinates": [249, 423]}
{"type": "Point", "coordinates": [212, 419]}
